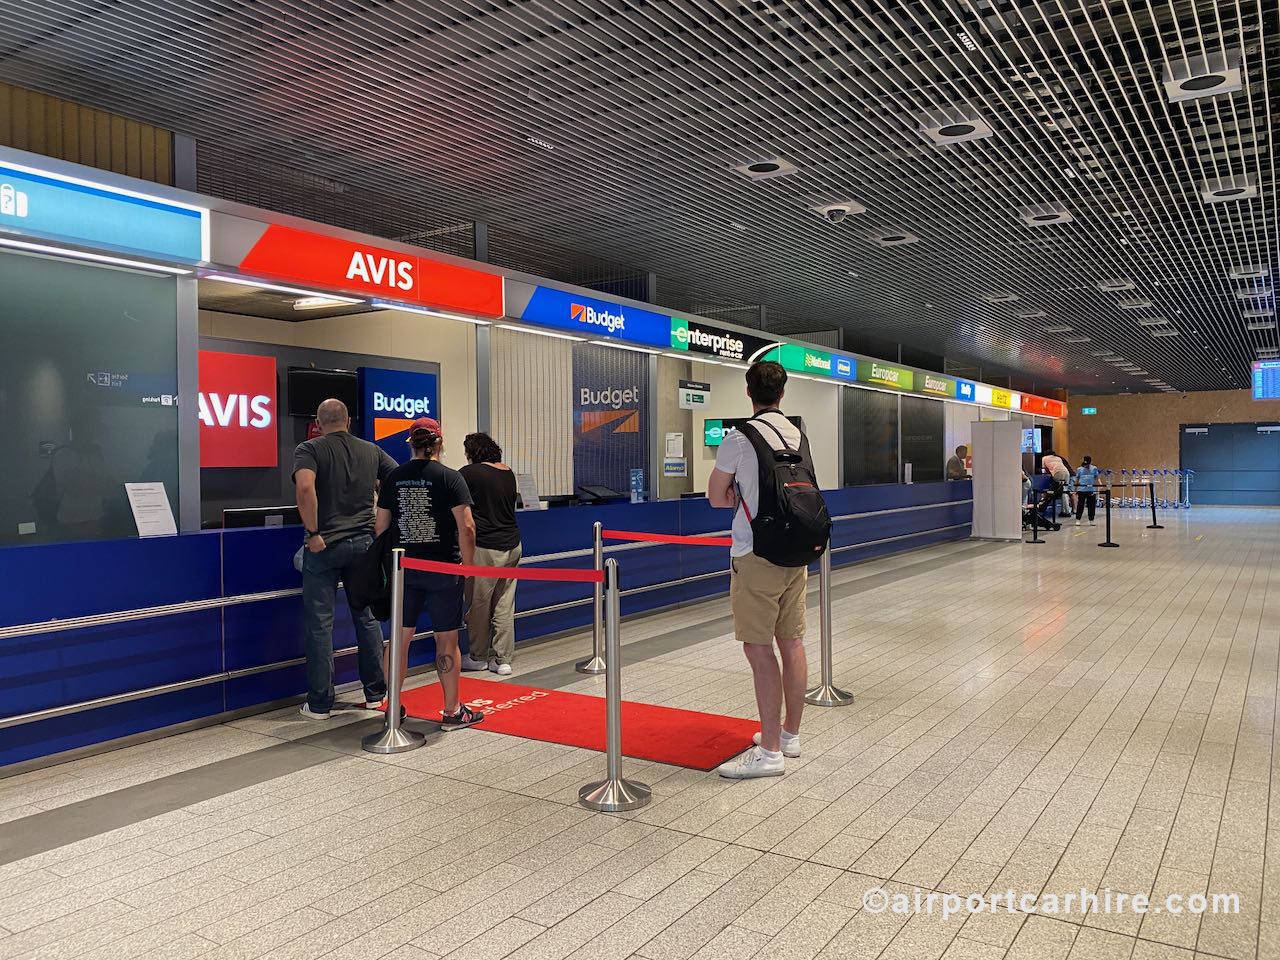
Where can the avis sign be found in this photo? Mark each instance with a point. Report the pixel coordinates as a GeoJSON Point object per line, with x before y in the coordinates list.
{"type": "Point", "coordinates": [237, 409]}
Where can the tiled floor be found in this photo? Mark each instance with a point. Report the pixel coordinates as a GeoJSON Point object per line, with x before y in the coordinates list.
{"type": "Point", "coordinates": [1038, 719]}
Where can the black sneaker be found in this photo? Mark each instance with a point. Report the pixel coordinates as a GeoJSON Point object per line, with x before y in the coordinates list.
{"type": "Point", "coordinates": [465, 717]}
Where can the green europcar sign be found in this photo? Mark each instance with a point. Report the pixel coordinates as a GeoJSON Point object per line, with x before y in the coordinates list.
{"type": "Point", "coordinates": [885, 375]}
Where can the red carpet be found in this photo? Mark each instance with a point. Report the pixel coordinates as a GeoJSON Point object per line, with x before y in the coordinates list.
{"type": "Point", "coordinates": [683, 738]}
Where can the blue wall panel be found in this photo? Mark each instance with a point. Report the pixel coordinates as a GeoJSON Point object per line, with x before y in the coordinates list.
{"type": "Point", "coordinates": [73, 666]}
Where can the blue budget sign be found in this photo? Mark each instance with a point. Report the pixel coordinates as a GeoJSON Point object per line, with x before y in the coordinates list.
{"type": "Point", "coordinates": [390, 400]}
{"type": "Point", "coordinates": [54, 207]}
{"type": "Point", "coordinates": [597, 319]}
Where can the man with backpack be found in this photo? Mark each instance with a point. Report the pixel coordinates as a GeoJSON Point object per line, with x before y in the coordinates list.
{"type": "Point", "coordinates": [780, 525]}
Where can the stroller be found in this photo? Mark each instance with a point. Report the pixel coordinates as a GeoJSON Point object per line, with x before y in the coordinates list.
{"type": "Point", "coordinates": [1040, 498]}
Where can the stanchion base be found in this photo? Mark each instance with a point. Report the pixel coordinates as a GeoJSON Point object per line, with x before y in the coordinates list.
{"type": "Point", "coordinates": [590, 665]}
{"type": "Point", "coordinates": [614, 796]}
{"type": "Point", "coordinates": [1108, 544]}
{"type": "Point", "coordinates": [393, 741]}
{"type": "Point", "coordinates": [828, 696]}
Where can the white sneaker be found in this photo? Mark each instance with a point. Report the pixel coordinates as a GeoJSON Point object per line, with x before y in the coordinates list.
{"type": "Point", "coordinates": [470, 665]}
{"type": "Point", "coordinates": [310, 714]}
{"type": "Point", "coordinates": [790, 744]}
{"type": "Point", "coordinates": [501, 669]}
{"type": "Point", "coordinates": [752, 764]}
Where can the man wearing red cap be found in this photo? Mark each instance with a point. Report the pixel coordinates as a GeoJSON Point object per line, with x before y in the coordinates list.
{"type": "Point", "coordinates": [429, 507]}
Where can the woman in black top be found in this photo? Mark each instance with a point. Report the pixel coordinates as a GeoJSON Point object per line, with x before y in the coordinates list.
{"type": "Point", "coordinates": [491, 632]}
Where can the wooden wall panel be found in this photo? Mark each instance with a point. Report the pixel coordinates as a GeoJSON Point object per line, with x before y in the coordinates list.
{"type": "Point", "coordinates": [58, 128]}
{"type": "Point", "coordinates": [1141, 430]}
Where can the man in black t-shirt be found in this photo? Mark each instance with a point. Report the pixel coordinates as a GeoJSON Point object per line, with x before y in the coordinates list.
{"type": "Point", "coordinates": [337, 476]}
{"type": "Point", "coordinates": [428, 506]}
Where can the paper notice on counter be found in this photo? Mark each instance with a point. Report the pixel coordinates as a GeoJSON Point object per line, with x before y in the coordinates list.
{"type": "Point", "coordinates": [152, 513]}
{"type": "Point", "coordinates": [527, 487]}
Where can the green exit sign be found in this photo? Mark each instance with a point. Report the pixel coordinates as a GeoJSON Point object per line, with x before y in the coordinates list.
{"type": "Point", "coordinates": [1089, 411]}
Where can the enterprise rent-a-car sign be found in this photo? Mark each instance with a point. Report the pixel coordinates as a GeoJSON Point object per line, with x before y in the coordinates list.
{"type": "Point", "coordinates": [589, 317]}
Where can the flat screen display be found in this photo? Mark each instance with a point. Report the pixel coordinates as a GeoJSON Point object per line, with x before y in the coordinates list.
{"type": "Point", "coordinates": [308, 387]}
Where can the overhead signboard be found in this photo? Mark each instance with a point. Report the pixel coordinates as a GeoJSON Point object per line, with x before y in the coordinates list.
{"type": "Point", "coordinates": [694, 336]}
{"type": "Point", "coordinates": [885, 375]}
{"type": "Point", "coordinates": [935, 385]}
{"type": "Point", "coordinates": [587, 316]}
{"type": "Point", "coordinates": [390, 400]}
{"type": "Point", "coordinates": [318, 260]}
{"type": "Point", "coordinates": [236, 406]}
{"type": "Point", "coordinates": [52, 206]}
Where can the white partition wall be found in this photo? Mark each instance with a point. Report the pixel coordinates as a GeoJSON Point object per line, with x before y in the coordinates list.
{"type": "Point", "coordinates": [997, 480]}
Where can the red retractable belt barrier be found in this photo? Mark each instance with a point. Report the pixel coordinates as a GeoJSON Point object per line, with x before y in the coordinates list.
{"type": "Point", "coordinates": [504, 573]}
{"type": "Point", "coordinates": [667, 538]}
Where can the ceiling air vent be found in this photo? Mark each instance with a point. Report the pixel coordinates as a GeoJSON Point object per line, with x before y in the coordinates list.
{"type": "Point", "coordinates": [894, 238]}
{"type": "Point", "coordinates": [1116, 285]}
{"type": "Point", "coordinates": [1153, 321]}
{"type": "Point", "coordinates": [1134, 304]}
{"type": "Point", "coordinates": [1045, 215]}
{"type": "Point", "coordinates": [1243, 186]}
{"type": "Point", "coordinates": [1249, 271]}
{"type": "Point", "coordinates": [1260, 293]}
{"type": "Point", "coordinates": [1203, 76]}
{"type": "Point", "coordinates": [1000, 296]}
{"type": "Point", "coordinates": [765, 169]}
{"type": "Point", "coordinates": [948, 125]}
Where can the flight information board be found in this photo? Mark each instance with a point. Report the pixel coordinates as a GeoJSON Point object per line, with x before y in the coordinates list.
{"type": "Point", "coordinates": [1266, 380]}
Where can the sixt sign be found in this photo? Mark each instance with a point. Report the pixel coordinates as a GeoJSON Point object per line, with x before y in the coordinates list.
{"type": "Point", "coordinates": [591, 318]}
{"type": "Point", "coordinates": [57, 207]}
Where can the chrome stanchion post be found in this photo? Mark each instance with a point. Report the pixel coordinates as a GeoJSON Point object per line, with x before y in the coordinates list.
{"type": "Point", "coordinates": [595, 663]}
{"type": "Point", "coordinates": [613, 794]}
{"type": "Point", "coordinates": [394, 738]}
{"type": "Point", "coordinates": [826, 695]}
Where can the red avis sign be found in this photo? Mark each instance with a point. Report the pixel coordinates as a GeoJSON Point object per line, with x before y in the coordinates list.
{"type": "Point", "coordinates": [334, 263]}
{"type": "Point", "coordinates": [237, 410]}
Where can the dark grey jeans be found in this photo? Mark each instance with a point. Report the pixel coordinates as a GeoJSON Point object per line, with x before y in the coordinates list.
{"type": "Point", "coordinates": [320, 575]}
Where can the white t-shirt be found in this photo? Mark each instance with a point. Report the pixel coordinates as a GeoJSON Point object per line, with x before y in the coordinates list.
{"type": "Point", "coordinates": [736, 456]}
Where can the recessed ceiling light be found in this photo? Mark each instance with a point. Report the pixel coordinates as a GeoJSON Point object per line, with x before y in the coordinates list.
{"type": "Point", "coordinates": [1241, 187]}
{"type": "Point", "coordinates": [765, 169]}
{"type": "Point", "coordinates": [1045, 215]}
{"type": "Point", "coordinates": [947, 125]}
{"type": "Point", "coordinates": [1112, 286]}
{"type": "Point", "coordinates": [1186, 78]}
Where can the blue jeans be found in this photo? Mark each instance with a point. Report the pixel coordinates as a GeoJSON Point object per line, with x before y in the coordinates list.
{"type": "Point", "coordinates": [320, 575]}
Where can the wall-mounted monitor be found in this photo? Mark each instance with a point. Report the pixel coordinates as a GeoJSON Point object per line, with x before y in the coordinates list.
{"type": "Point", "coordinates": [308, 387]}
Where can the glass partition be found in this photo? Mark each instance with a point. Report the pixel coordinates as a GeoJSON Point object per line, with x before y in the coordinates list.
{"type": "Point", "coordinates": [88, 397]}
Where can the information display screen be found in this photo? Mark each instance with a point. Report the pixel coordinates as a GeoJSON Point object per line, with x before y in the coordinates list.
{"type": "Point", "coordinates": [1266, 380]}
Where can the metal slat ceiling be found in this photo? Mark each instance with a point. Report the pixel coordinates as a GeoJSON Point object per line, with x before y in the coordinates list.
{"type": "Point", "coordinates": [610, 127]}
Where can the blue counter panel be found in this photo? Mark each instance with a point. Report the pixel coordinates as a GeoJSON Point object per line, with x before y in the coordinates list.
{"type": "Point", "coordinates": [76, 665]}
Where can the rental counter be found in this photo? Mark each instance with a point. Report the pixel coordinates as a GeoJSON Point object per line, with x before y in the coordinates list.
{"type": "Point", "coordinates": [107, 639]}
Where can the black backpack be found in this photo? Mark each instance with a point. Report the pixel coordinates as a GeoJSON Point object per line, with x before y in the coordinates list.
{"type": "Point", "coordinates": [791, 527]}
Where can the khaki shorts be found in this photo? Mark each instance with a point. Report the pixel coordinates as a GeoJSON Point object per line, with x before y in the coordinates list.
{"type": "Point", "coordinates": [767, 600]}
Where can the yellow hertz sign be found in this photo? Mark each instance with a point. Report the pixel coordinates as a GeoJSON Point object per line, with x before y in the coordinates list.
{"type": "Point", "coordinates": [1001, 398]}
